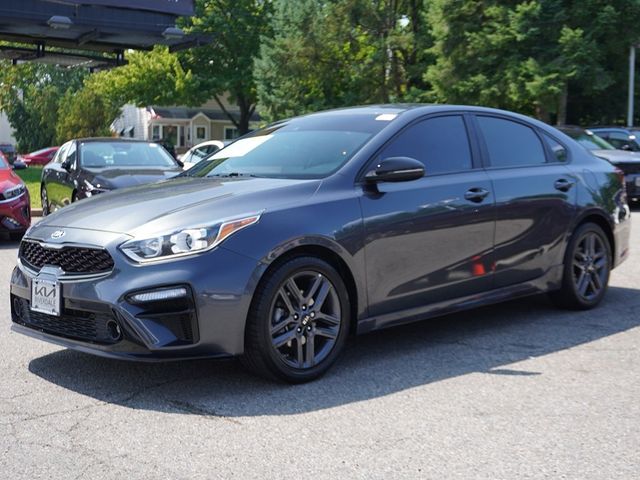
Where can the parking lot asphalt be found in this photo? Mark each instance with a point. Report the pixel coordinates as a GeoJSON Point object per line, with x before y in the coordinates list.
{"type": "Point", "coordinates": [519, 390]}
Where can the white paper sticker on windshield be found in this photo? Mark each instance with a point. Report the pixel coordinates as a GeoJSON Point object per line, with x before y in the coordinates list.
{"type": "Point", "coordinates": [241, 147]}
{"type": "Point", "coordinates": [386, 117]}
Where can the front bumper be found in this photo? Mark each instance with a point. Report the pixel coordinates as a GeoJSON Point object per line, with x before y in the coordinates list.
{"type": "Point", "coordinates": [15, 214]}
{"type": "Point", "coordinates": [98, 315]}
{"type": "Point", "coordinates": [633, 186]}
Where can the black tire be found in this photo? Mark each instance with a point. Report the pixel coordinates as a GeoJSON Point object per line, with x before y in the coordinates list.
{"type": "Point", "coordinates": [272, 318]}
{"type": "Point", "coordinates": [586, 269]}
{"type": "Point", "coordinates": [44, 199]}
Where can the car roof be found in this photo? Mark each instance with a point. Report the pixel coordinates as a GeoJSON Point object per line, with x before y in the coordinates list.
{"type": "Point", "coordinates": [110, 139]}
{"type": "Point", "coordinates": [415, 110]}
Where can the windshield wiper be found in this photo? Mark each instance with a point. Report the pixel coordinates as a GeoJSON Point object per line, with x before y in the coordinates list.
{"type": "Point", "coordinates": [230, 175]}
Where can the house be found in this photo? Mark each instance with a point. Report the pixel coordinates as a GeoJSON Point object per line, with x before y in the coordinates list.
{"type": "Point", "coordinates": [182, 127]}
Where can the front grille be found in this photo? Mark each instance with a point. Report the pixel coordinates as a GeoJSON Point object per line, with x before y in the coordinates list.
{"type": "Point", "coordinates": [81, 325]}
{"type": "Point", "coordinates": [72, 260]}
{"type": "Point", "coordinates": [629, 168]}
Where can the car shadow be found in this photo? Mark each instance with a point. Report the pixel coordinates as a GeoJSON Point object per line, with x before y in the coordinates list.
{"type": "Point", "coordinates": [488, 341]}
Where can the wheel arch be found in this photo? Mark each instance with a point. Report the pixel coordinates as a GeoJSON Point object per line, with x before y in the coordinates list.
{"type": "Point", "coordinates": [331, 253]}
{"type": "Point", "coordinates": [603, 221]}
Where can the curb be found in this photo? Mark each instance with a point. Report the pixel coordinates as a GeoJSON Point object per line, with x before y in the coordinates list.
{"type": "Point", "coordinates": [36, 212]}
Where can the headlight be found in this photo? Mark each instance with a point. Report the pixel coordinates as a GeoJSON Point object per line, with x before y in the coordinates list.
{"type": "Point", "coordinates": [13, 192]}
{"type": "Point", "coordinates": [183, 242]}
{"type": "Point", "coordinates": [91, 189]}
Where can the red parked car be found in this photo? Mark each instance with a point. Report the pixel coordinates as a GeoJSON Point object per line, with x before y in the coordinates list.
{"type": "Point", "coordinates": [15, 210]}
{"type": "Point", "coordinates": [39, 157]}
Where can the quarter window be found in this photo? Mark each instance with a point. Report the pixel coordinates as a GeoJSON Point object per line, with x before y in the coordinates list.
{"type": "Point", "coordinates": [440, 143]}
{"type": "Point", "coordinates": [510, 144]}
{"type": "Point", "coordinates": [559, 152]}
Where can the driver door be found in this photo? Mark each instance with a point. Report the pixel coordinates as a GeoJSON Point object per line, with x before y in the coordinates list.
{"type": "Point", "coordinates": [429, 240]}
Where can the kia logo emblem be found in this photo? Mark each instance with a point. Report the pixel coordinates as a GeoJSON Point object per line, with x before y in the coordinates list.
{"type": "Point", "coordinates": [58, 234]}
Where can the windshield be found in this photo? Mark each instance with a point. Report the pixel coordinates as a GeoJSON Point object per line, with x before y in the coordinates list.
{"type": "Point", "coordinates": [307, 147]}
{"type": "Point", "coordinates": [124, 154]}
{"type": "Point", "coordinates": [591, 141]}
{"type": "Point", "coordinates": [3, 163]}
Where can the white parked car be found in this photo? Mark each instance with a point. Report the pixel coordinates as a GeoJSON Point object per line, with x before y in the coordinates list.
{"type": "Point", "coordinates": [201, 151]}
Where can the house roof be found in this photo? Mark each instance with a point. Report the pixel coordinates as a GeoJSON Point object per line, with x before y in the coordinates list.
{"type": "Point", "coordinates": [186, 113]}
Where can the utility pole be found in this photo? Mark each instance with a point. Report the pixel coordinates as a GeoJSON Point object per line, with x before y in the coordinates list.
{"type": "Point", "coordinates": [632, 77]}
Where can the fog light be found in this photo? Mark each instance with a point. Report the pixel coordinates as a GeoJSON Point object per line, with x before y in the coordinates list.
{"type": "Point", "coordinates": [10, 223]}
{"type": "Point", "coordinates": [159, 295]}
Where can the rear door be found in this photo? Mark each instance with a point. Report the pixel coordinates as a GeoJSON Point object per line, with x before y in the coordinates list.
{"type": "Point", "coordinates": [535, 197]}
{"type": "Point", "coordinates": [431, 239]}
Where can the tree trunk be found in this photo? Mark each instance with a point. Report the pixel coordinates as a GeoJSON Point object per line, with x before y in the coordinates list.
{"type": "Point", "coordinates": [562, 105]}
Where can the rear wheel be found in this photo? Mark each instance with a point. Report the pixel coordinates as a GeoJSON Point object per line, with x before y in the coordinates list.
{"type": "Point", "coordinates": [44, 197]}
{"type": "Point", "coordinates": [298, 321]}
{"type": "Point", "coordinates": [586, 269]}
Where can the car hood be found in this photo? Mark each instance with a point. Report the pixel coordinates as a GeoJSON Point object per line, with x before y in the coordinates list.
{"type": "Point", "coordinates": [179, 203]}
{"type": "Point", "coordinates": [128, 177]}
{"type": "Point", "coordinates": [617, 156]}
{"type": "Point", "coordinates": [8, 179]}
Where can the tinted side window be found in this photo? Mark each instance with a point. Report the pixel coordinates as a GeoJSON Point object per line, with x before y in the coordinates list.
{"type": "Point", "coordinates": [622, 141]}
{"type": "Point", "coordinates": [510, 144]}
{"type": "Point", "coordinates": [440, 143]}
{"type": "Point", "coordinates": [62, 153]}
{"type": "Point", "coordinates": [71, 156]}
{"type": "Point", "coordinates": [559, 152]}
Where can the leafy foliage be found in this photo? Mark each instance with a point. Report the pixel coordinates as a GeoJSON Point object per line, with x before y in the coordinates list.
{"type": "Point", "coordinates": [330, 54]}
{"type": "Point", "coordinates": [83, 113]}
{"type": "Point", "coordinates": [30, 95]}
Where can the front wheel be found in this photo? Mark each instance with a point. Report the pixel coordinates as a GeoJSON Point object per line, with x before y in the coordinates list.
{"type": "Point", "coordinates": [46, 209]}
{"type": "Point", "coordinates": [298, 321]}
{"type": "Point", "coordinates": [587, 267]}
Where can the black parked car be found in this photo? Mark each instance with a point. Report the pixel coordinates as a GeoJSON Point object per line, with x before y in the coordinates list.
{"type": "Point", "coordinates": [83, 168]}
{"type": "Point", "coordinates": [621, 138]}
{"type": "Point", "coordinates": [347, 221]}
{"type": "Point", "coordinates": [9, 152]}
{"type": "Point", "coordinates": [626, 160]}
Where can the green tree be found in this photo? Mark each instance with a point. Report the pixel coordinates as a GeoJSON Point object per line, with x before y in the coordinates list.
{"type": "Point", "coordinates": [84, 113]}
{"type": "Point", "coordinates": [226, 65]}
{"type": "Point", "coordinates": [342, 52]}
{"type": "Point", "coordinates": [530, 56]}
{"type": "Point", "coordinates": [30, 95]}
{"type": "Point", "coordinates": [154, 77]}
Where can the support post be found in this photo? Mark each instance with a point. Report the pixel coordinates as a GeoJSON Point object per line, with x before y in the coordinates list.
{"type": "Point", "coordinates": [632, 75]}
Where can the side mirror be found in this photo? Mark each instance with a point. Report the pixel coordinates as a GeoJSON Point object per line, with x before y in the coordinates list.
{"type": "Point", "coordinates": [19, 165]}
{"type": "Point", "coordinates": [66, 164]}
{"type": "Point", "coordinates": [396, 169]}
{"type": "Point", "coordinates": [180, 163]}
{"type": "Point", "coordinates": [626, 147]}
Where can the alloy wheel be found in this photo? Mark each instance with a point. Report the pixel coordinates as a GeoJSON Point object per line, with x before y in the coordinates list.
{"type": "Point", "coordinates": [590, 266]}
{"type": "Point", "coordinates": [45, 202]}
{"type": "Point", "coordinates": [305, 319]}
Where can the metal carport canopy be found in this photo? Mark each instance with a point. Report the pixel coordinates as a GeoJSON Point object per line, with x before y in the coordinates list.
{"type": "Point", "coordinates": [176, 7]}
{"type": "Point", "coordinates": [99, 25]}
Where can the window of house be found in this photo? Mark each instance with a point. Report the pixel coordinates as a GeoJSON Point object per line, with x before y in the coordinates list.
{"type": "Point", "coordinates": [201, 133]}
{"type": "Point", "coordinates": [156, 132]}
{"type": "Point", "coordinates": [510, 144]}
{"type": "Point", "coordinates": [231, 133]}
{"type": "Point", "coordinates": [441, 143]}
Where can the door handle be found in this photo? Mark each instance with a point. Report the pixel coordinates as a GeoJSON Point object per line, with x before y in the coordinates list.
{"type": "Point", "coordinates": [563, 184]}
{"type": "Point", "coordinates": [476, 195]}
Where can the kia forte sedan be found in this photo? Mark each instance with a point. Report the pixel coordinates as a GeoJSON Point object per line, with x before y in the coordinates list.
{"type": "Point", "coordinates": [282, 244]}
{"type": "Point", "coordinates": [86, 167]}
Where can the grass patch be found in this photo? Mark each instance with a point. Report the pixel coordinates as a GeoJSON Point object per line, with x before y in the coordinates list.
{"type": "Point", "coordinates": [31, 177]}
